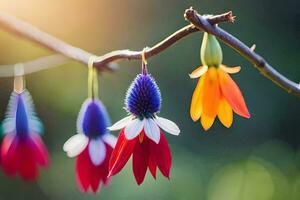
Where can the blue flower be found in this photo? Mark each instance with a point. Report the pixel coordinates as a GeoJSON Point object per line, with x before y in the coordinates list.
{"type": "Point", "coordinates": [93, 119]}
{"type": "Point", "coordinates": [143, 98]}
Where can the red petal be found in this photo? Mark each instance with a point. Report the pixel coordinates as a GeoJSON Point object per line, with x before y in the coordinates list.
{"type": "Point", "coordinates": [89, 175]}
{"type": "Point", "coordinates": [25, 153]}
{"type": "Point", "coordinates": [22, 156]}
{"type": "Point", "coordinates": [152, 163]}
{"type": "Point", "coordinates": [40, 151]}
{"type": "Point", "coordinates": [28, 167]}
{"type": "Point", "coordinates": [104, 166]}
{"type": "Point", "coordinates": [95, 180]}
{"type": "Point", "coordinates": [121, 153]}
{"type": "Point", "coordinates": [140, 160]}
{"type": "Point", "coordinates": [162, 153]}
{"type": "Point", "coordinates": [83, 169]}
{"type": "Point", "coordinates": [9, 161]}
{"type": "Point", "coordinates": [233, 95]}
{"type": "Point", "coordinates": [101, 172]}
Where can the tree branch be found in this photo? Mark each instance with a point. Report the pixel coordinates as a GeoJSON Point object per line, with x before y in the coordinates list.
{"type": "Point", "coordinates": [198, 23]}
{"type": "Point", "coordinates": [163, 45]}
{"type": "Point", "coordinates": [32, 66]}
{"type": "Point", "coordinates": [102, 62]}
{"type": "Point", "coordinates": [259, 62]}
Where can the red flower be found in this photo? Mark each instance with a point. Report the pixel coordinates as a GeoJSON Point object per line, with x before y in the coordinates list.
{"type": "Point", "coordinates": [23, 156]}
{"type": "Point", "coordinates": [90, 175]}
{"type": "Point", "coordinates": [146, 154]}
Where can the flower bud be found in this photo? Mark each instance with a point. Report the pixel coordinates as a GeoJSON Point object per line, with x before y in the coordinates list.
{"type": "Point", "coordinates": [211, 52]}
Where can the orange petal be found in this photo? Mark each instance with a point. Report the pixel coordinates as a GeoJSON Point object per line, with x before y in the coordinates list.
{"type": "Point", "coordinates": [198, 72]}
{"type": "Point", "coordinates": [230, 70]}
{"type": "Point", "coordinates": [196, 104]}
{"type": "Point", "coordinates": [207, 122]}
{"type": "Point", "coordinates": [232, 94]}
{"type": "Point", "coordinates": [225, 113]}
{"type": "Point", "coordinates": [211, 93]}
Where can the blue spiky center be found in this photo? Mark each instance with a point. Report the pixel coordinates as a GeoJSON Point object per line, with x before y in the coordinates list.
{"type": "Point", "coordinates": [143, 98]}
{"type": "Point", "coordinates": [93, 118]}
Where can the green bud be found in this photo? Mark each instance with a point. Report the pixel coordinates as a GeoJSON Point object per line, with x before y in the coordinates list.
{"type": "Point", "coordinates": [211, 52]}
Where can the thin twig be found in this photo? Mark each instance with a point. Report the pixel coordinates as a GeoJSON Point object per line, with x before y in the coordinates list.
{"type": "Point", "coordinates": [39, 64]}
{"type": "Point", "coordinates": [102, 62]}
{"type": "Point", "coordinates": [259, 62]}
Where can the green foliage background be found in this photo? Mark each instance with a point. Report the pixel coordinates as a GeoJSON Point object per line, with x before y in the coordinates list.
{"type": "Point", "coordinates": [256, 159]}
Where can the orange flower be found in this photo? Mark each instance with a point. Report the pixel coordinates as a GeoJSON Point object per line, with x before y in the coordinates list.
{"type": "Point", "coordinates": [216, 94]}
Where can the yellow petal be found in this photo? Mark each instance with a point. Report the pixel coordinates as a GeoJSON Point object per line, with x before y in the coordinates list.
{"type": "Point", "coordinates": [198, 72]}
{"type": "Point", "coordinates": [211, 93]}
{"type": "Point", "coordinates": [207, 122]}
{"type": "Point", "coordinates": [196, 104]}
{"type": "Point", "coordinates": [230, 70]}
{"type": "Point", "coordinates": [225, 114]}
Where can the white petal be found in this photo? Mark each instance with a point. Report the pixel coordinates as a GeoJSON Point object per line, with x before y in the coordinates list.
{"type": "Point", "coordinates": [120, 124]}
{"type": "Point", "coordinates": [75, 145]}
{"type": "Point", "coordinates": [167, 125]}
{"type": "Point", "coordinates": [134, 128]}
{"type": "Point", "coordinates": [97, 151]}
{"type": "Point", "coordinates": [152, 130]}
{"type": "Point", "coordinates": [110, 139]}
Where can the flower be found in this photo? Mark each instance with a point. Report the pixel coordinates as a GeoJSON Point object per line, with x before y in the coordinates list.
{"type": "Point", "coordinates": [140, 134]}
{"type": "Point", "coordinates": [92, 145]}
{"type": "Point", "coordinates": [22, 150]}
{"type": "Point", "coordinates": [216, 94]}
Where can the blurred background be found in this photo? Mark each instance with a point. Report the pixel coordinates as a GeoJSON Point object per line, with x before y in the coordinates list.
{"type": "Point", "coordinates": [256, 159]}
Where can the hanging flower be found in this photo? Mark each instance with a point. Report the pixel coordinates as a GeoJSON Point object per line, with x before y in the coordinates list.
{"type": "Point", "coordinates": [93, 144]}
{"type": "Point", "coordinates": [22, 150]}
{"type": "Point", "coordinates": [216, 94]}
{"type": "Point", "coordinates": [140, 134]}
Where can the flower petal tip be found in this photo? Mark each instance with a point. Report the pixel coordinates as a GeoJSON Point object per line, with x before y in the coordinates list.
{"type": "Point", "coordinates": [245, 114]}
{"type": "Point", "coordinates": [167, 125]}
{"type": "Point", "coordinates": [198, 72]}
{"type": "Point", "coordinates": [195, 119]}
{"type": "Point", "coordinates": [120, 124]}
{"type": "Point", "coordinates": [206, 129]}
{"type": "Point", "coordinates": [139, 183]}
{"type": "Point", "coordinates": [227, 126]}
{"type": "Point", "coordinates": [230, 70]}
{"type": "Point", "coordinates": [109, 174]}
{"type": "Point", "coordinates": [192, 76]}
{"type": "Point", "coordinates": [75, 145]}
